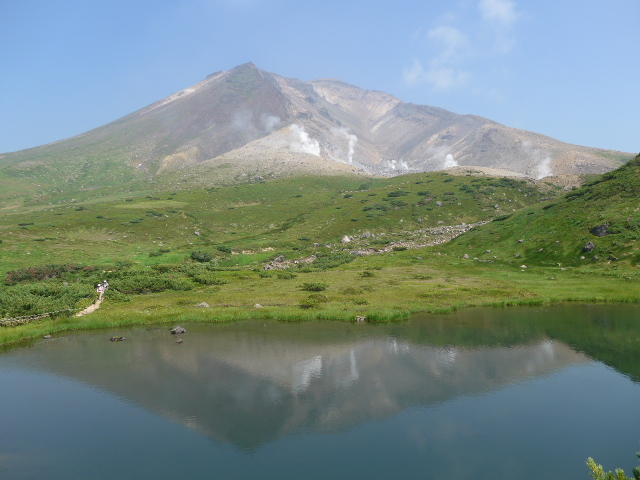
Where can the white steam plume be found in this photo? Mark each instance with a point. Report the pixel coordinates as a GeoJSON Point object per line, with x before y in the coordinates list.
{"type": "Point", "coordinates": [269, 122]}
{"type": "Point", "coordinates": [397, 165]}
{"type": "Point", "coordinates": [544, 168]}
{"type": "Point", "coordinates": [541, 158]}
{"type": "Point", "coordinates": [351, 138]}
{"type": "Point", "coordinates": [302, 143]}
{"type": "Point", "coordinates": [449, 161]}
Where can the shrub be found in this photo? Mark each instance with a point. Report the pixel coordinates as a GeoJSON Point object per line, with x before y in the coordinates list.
{"type": "Point", "coordinates": [201, 256]}
{"type": "Point", "coordinates": [598, 473]}
{"type": "Point", "coordinates": [398, 193]}
{"type": "Point", "coordinates": [223, 248]}
{"type": "Point", "coordinates": [208, 279]}
{"type": "Point", "coordinates": [325, 261]}
{"type": "Point", "coordinates": [144, 282]}
{"type": "Point", "coordinates": [158, 252]}
{"type": "Point", "coordinates": [352, 291]}
{"type": "Point", "coordinates": [314, 287]}
{"type": "Point", "coordinates": [286, 275]}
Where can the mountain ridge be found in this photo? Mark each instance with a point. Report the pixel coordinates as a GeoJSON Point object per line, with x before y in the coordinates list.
{"type": "Point", "coordinates": [348, 129]}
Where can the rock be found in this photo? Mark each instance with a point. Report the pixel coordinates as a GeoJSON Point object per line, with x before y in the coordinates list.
{"type": "Point", "coordinates": [523, 266]}
{"type": "Point", "coordinates": [517, 255]}
{"type": "Point", "coordinates": [117, 339]}
{"type": "Point", "coordinates": [47, 337]}
{"type": "Point", "coordinates": [466, 255]}
{"type": "Point", "coordinates": [279, 259]}
{"type": "Point", "coordinates": [521, 240]}
{"type": "Point", "coordinates": [600, 230]}
{"type": "Point", "coordinates": [179, 340]}
{"type": "Point", "coordinates": [596, 258]}
{"type": "Point", "coordinates": [346, 239]}
{"type": "Point", "coordinates": [203, 305]}
{"type": "Point", "coordinates": [178, 330]}
{"type": "Point", "coordinates": [612, 258]}
{"type": "Point", "coordinates": [589, 247]}
{"type": "Point", "coordinates": [439, 203]}
{"type": "Point", "coordinates": [257, 305]}
{"type": "Point", "coordinates": [361, 319]}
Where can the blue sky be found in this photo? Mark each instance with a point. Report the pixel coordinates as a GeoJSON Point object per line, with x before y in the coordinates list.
{"type": "Point", "coordinates": [568, 69]}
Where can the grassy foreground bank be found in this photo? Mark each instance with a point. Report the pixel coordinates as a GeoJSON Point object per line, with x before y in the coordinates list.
{"type": "Point", "coordinates": [381, 288]}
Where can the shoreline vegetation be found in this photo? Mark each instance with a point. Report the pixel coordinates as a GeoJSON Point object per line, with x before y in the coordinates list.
{"type": "Point", "coordinates": [382, 288]}
{"type": "Point", "coordinates": [318, 248]}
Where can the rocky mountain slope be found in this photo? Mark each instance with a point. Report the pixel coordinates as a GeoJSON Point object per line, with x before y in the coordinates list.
{"type": "Point", "coordinates": [248, 120]}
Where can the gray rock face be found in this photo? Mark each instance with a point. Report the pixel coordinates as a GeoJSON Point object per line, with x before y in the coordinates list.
{"type": "Point", "coordinates": [589, 247]}
{"type": "Point", "coordinates": [600, 230]}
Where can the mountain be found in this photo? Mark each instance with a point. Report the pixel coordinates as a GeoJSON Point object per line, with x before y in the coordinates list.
{"type": "Point", "coordinates": [247, 122]}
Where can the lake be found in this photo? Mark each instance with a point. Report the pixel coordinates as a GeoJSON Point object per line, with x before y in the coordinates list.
{"type": "Point", "coordinates": [524, 393]}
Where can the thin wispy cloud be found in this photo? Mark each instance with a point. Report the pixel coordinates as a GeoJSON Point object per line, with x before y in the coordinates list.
{"type": "Point", "coordinates": [458, 44]}
{"type": "Point", "coordinates": [440, 77]}
{"type": "Point", "coordinates": [502, 12]}
{"type": "Point", "coordinates": [500, 16]}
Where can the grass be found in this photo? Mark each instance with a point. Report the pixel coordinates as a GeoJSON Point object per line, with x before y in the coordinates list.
{"type": "Point", "coordinates": [164, 252]}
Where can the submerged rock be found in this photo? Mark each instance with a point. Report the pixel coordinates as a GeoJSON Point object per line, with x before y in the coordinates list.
{"type": "Point", "coordinates": [178, 330]}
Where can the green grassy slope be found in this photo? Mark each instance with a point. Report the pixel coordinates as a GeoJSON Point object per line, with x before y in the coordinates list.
{"type": "Point", "coordinates": [149, 245]}
{"type": "Point", "coordinates": [558, 232]}
{"type": "Point", "coordinates": [287, 215]}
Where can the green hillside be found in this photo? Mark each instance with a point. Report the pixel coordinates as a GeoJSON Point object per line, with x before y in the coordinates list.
{"type": "Point", "coordinates": [604, 213]}
{"type": "Point", "coordinates": [277, 249]}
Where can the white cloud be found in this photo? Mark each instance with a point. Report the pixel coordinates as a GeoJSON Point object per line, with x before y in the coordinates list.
{"type": "Point", "coordinates": [501, 12]}
{"type": "Point", "coordinates": [500, 16]}
{"type": "Point", "coordinates": [456, 49]}
{"type": "Point", "coordinates": [439, 76]}
{"type": "Point", "coordinates": [453, 41]}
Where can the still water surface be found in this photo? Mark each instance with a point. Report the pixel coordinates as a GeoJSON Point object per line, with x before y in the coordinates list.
{"type": "Point", "coordinates": [523, 393]}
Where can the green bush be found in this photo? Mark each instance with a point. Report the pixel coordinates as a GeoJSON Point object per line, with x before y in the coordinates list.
{"type": "Point", "coordinates": [223, 248]}
{"type": "Point", "coordinates": [598, 473]}
{"type": "Point", "coordinates": [314, 287]}
{"type": "Point", "coordinates": [208, 278]}
{"type": "Point", "coordinates": [145, 282]}
{"type": "Point", "coordinates": [201, 256]}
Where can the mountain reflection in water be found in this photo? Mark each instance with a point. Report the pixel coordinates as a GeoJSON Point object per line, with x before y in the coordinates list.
{"type": "Point", "coordinates": [248, 384]}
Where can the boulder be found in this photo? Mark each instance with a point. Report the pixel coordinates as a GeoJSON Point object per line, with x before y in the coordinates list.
{"type": "Point", "coordinates": [178, 330]}
{"type": "Point", "coordinates": [589, 247]}
{"type": "Point", "coordinates": [600, 230]}
{"type": "Point", "coordinates": [203, 305]}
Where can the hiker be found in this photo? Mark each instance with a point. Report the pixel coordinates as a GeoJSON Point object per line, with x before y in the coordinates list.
{"type": "Point", "coordinates": [100, 291]}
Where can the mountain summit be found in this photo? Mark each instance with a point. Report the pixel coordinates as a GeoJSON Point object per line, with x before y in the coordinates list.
{"type": "Point", "coordinates": [248, 120]}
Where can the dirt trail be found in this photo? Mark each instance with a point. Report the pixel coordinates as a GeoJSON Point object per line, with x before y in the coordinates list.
{"type": "Point", "coordinates": [90, 309]}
